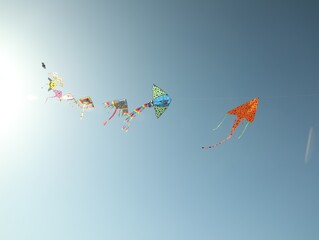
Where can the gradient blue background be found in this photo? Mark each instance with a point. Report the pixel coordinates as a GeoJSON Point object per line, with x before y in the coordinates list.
{"type": "Point", "coordinates": [62, 178]}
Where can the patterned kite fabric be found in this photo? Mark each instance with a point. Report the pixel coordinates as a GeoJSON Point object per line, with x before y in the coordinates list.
{"type": "Point", "coordinates": [85, 103]}
{"type": "Point", "coordinates": [56, 78]}
{"type": "Point", "coordinates": [57, 94]}
{"type": "Point", "coordinates": [245, 111]}
{"type": "Point", "coordinates": [119, 105]}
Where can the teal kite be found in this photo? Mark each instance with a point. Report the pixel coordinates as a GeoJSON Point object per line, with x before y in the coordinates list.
{"type": "Point", "coordinates": [160, 102]}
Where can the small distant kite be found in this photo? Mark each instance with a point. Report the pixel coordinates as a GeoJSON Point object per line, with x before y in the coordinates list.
{"type": "Point", "coordinates": [56, 78]}
{"type": "Point", "coordinates": [43, 65]}
{"type": "Point", "coordinates": [57, 94]}
{"type": "Point", "coordinates": [85, 104]}
{"type": "Point", "coordinates": [160, 102]}
{"type": "Point", "coordinates": [245, 111]}
{"type": "Point", "coordinates": [119, 105]}
{"type": "Point", "coordinates": [69, 97]}
{"type": "Point", "coordinates": [54, 81]}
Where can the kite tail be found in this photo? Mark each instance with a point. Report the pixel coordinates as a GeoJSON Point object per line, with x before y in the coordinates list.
{"type": "Point", "coordinates": [132, 115]}
{"type": "Point", "coordinates": [243, 130]}
{"type": "Point", "coordinates": [71, 102]}
{"type": "Point", "coordinates": [104, 123]}
{"type": "Point", "coordinates": [237, 122]}
{"type": "Point", "coordinates": [121, 113]}
{"type": "Point", "coordinates": [217, 144]}
{"type": "Point", "coordinates": [48, 98]}
{"type": "Point", "coordinates": [220, 123]}
{"type": "Point", "coordinates": [82, 114]}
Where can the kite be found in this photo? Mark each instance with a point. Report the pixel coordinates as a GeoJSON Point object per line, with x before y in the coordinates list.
{"type": "Point", "coordinates": [69, 98]}
{"type": "Point", "coordinates": [52, 84]}
{"type": "Point", "coordinates": [54, 77]}
{"type": "Point", "coordinates": [160, 102]}
{"type": "Point", "coordinates": [54, 81]}
{"type": "Point", "coordinates": [43, 65]}
{"type": "Point", "coordinates": [85, 103]}
{"type": "Point", "coordinates": [57, 94]}
{"type": "Point", "coordinates": [119, 105]}
{"type": "Point", "coordinates": [245, 111]}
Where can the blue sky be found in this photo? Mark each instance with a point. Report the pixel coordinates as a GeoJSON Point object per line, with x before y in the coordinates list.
{"type": "Point", "coordinates": [62, 178]}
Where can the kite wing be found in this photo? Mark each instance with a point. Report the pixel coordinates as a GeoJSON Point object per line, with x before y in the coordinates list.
{"type": "Point", "coordinates": [161, 101]}
{"type": "Point", "coordinates": [158, 91]}
{"type": "Point", "coordinates": [246, 110]}
{"type": "Point", "coordinates": [159, 111]}
{"type": "Point", "coordinates": [251, 113]}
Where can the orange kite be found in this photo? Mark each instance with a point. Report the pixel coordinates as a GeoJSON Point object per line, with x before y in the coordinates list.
{"type": "Point", "coordinates": [247, 110]}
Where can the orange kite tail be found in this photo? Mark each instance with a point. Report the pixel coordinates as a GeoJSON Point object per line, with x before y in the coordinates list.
{"type": "Point", "coordinates": [237, 122]}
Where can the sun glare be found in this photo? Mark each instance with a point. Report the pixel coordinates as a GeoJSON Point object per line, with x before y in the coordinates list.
{"type": "Point", "coordinates": [11, 95]}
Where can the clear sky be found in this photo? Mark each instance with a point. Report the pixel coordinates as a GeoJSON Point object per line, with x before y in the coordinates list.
{"type": "Point", "coordinates": [62, 178]}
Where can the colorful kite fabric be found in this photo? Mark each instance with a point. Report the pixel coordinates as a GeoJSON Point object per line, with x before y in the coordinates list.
{"type": "Point", "coordinates": [160, 102]}
{"type": "Point", "coordinates": [56, 78]}
{"type": "Point", "coordinates": [69, 98]}
{"type": "Point", "coordinates": [119, 105]}
{"type": "Point", "coordinates": [54, 81]}
{"type": "Point", "coordinates": [51, 84]}
{"type": "Point", "coordinates": [85, 104]}
{"type": "Point", "coordinates": [245, 111]}
{"type": "Point", "coordinates": [57, 94]}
